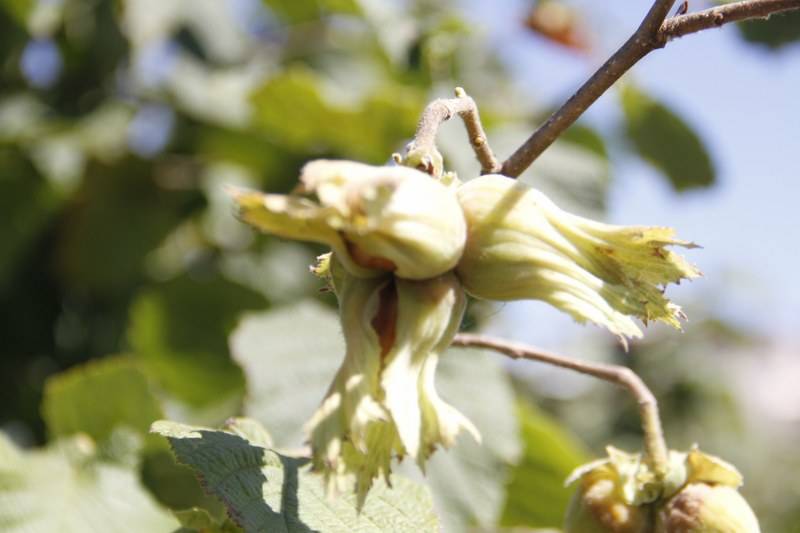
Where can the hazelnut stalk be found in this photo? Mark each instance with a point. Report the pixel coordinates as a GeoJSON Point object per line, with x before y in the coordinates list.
{"type": "Point", "coordinates": [660, 490]}
{"type": "Point", "coordinates": [655, 446]}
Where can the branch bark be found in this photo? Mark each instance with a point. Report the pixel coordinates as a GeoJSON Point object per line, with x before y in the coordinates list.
{"type": "Point", "coordinates": [653, 33]}
{"type": "Point", "coordinates": [724, 14]}
{"type": "Point", "coordinates": [655, 446]}
{"type": "Point", "coordinates": [441, 110]}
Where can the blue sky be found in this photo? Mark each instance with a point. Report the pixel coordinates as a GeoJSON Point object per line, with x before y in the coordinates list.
{"type": "Point", "coordinates": [744, 101]}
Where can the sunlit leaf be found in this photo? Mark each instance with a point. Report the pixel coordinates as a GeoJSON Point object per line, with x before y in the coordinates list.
{"type": "Point", "coordinates": [289, 357]}
{"type": "Point", "coordinates": [179, 330]}
{"type": "Point", "coordinates": [386, 119]}
{"type": "Point", "coordinates": [105, 396]}
{"type": "Point", "coordinates": [667, 141]}
{"type": "Point", "coordinates": [65, 488]}
{"type": "Point", "coordinates": [293, 11]}
{"type": "Point", "coordinates": [98, 397]}
{"type": "Point", "coordinates": [266, 491]}
{"type": "Point", "coordinates": [291, 110]}
{"type": "Point", "coordinates": [536, 495]}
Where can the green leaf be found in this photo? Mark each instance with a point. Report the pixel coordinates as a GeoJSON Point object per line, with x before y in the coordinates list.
{"type": "Point", "coordinates": [293, 11]}
{"type": "Point", "coordinates": [104, 397]}
{"type": "Point", "coordinates": [587, 138]}
{"type": "Point", "coordinates": [667, 141]}
{"type": "Point", "coordinates": [290, 356]}
{"type": "Point", "coordinates": [179, 330]}
{"type": "Point", "coordinates": [200, 520]}
{"type": "Point", "coordinates": [291, 110]}
{"type": "Point", "coordinates": [266, 491]}
{"type": "Point", "coordinates": [382, 124]}
{"type": "Point", "coordinates": [97, 397]}
{"type": "Point", "coordinates": [64, 488]}
{"type": "Point", "coordinates": [536, 495]}
{"type": "Point", "coordinates": [275, 165]}
{"type": "Point", "coordinates": [18, 9]}
{"type": "Point", "coordinates": [174, 484]}
{"type": "Point", "coordinates": [781, 29]}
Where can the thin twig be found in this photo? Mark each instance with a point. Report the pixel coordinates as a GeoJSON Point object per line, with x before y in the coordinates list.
{"type": "Point", "coordinates": [652, 34]}
{"type": "Point", "coordinates": [717, 16]}
{"type": "Point", "coordinates": [441, 110]}
{"type": "Point", "coordinates": [655, 446]}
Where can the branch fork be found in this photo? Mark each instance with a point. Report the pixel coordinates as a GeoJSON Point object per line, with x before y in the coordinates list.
{"type": "Point", "coordinates": [440, 111]}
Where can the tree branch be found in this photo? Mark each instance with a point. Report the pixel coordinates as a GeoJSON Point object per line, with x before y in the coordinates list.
{"type": "Point", "coordinates": [441, 110]}
{"type": "Point", "coordinates": [655, 446]}
{"type": "Point", "coordinates": [717, 16]}
{"type": "Point", "coordinates": [653, 33]}
{"type": "Point", "coordinates": [636, 47]}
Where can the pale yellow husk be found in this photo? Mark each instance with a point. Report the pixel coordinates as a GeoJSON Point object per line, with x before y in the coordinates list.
{"type": "Point", "coordinates": [383, 404]}
{"type": "Point", "coordinates": [522, 246]}
{"type": "Point", "coordinates": [377, 219]}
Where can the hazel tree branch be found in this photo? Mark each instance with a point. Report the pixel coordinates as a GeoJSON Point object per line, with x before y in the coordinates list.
{"type": "Point", "coordinates": [655, 446]}
{"type": "Point", "coordinates": [642, 42]}
{"type": "Point", "coordinates": [724, 14]}
{"type": "Point", "coordinates": [653, 33]}
{"type": "Point", "coordinates": [441, 110]}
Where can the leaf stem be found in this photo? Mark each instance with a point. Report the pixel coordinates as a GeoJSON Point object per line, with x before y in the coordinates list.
{"type": "Point", "coordinates": [655, 447]}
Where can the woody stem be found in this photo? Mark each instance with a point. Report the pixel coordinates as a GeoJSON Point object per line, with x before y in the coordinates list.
{"type": "Point", "coordinates": [655, 447]}
{"type": "Point", "coordinates": [443, 109]}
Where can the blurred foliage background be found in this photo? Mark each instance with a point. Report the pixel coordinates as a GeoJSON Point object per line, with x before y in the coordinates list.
{"type": "Point", "coordinates": [129, 293]}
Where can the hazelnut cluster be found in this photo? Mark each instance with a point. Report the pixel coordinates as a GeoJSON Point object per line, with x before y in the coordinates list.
{"type": "Point", "coordinates": [407, 248]}
{"type": "Point", "coordinates": [621, 494]}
